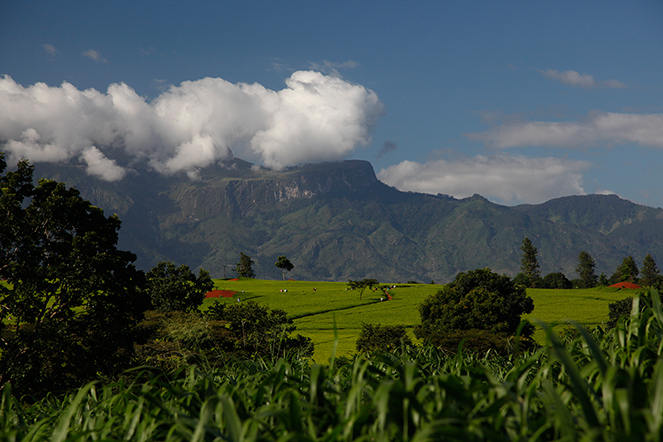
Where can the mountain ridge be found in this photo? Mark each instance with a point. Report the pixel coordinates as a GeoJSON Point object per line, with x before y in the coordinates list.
{"type": "Point", "coordinates": [337, 221]}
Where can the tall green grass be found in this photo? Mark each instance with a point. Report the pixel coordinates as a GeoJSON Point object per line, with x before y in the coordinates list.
{"type": "Point", "coordinates": [599, 385]}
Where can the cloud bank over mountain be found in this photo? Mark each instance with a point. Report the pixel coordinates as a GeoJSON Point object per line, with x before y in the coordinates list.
{"type": "Point", "coordinates": [316, 117]}
{"type": "Point", "coordinates": [509, 178]}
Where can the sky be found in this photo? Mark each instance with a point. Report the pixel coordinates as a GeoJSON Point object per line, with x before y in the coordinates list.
{"type": "Point", "coordinates": [518, 101]}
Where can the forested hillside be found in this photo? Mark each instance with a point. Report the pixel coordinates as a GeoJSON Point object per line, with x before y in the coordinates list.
{"type": "Point", "coordinates": [336, 221]}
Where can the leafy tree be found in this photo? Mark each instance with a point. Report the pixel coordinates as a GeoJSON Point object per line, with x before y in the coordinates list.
{"type": "Point", "coordinates": [649, 274]}
{"type": "Point", "coordinates": [284, 264]}
{"type": "Point", "coordinates": [361, 285]}
{"type": "Point", "coordinates": [603, 280]}
{"type": "Point", "coordinates": [258, 330]}
{"type": "Point", "coordinates": [177, 288]}
{"type": "Point", "coordinates": [585, 270]}
{"type": "Point", "coordinates": [556, 281]}
{"type": "Point", "coordinates": [479, 299]}
{"type": "Point", "coordinates": [243, 268]}
{"type": "Point", "coordinates": [72, 298]}
{"type": "Point", "coordinates": [375, 338]}
{"type": "Point", "coordinates": [529, 263]}
{"type": "Point", "coordinates": [627, 271]}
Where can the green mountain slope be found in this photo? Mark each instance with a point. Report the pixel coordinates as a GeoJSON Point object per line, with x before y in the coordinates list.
{"type": "Point", "coordinates": [336, 221]}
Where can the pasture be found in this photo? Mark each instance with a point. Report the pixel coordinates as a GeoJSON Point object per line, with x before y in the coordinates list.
{"type": "Point", "coordinates": [321, 309]}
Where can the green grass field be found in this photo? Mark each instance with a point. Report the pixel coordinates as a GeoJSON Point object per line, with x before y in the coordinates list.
{"type": "Point", "coordinates": [317, 313]}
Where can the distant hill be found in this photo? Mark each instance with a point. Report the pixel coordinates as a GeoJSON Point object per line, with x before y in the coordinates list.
{"type": "Point", "coordinates": [337, 221]}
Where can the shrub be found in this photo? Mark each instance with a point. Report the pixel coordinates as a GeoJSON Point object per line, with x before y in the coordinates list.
{"type": "Point", "coordinates": [259, 330]}
{"type": "Point", "coordinates": [375, 338]}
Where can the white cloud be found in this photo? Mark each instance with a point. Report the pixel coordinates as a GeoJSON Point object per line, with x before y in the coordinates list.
{"type": "Point", "coordinates": [315, 118]}
{"type": "Point", "coordinates": [49, 48]}
{"type": "Point", "coordinates": [99, 165]}
{"type": "Point", "coordinates": [94, 55]}
{"type": "Point", "coordinates": [573, 78]}
{"type": "Point", "coordinates": [598, 127]}
{"type": "Point", "coordinates": [508, 178]}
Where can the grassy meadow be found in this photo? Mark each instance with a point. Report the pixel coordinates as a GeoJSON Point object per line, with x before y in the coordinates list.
{"type": "Point", "coordinates": [319, 308]}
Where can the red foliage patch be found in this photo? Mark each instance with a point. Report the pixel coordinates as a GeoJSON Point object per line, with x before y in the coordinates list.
{"type": "Point", "coordinates": [626, 285]}
{"type": "Point", "coordinates": [220, 293]}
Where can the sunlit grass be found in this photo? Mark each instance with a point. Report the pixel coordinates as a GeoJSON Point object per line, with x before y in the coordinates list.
{"type": "Point", "coordinates": [331, 306]}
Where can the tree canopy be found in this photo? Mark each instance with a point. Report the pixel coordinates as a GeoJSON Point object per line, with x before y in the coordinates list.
{"type": "Point", "coordinates": [71, 298]}
{"type": "Point", "coordinates": [244, 267]}
{"type": "Point", "coordinates": [649, 274]}
{"type": "Point", "coordinates": [529, 263]}
{"type": "Point", "coordinates": [284, 264]}
{"type": "Point", "coordinates": [362, 284]}
{"type": "Point", "coordinates": [259, 330]}
{"type": "Point", "coordinates": [174, 288]}
{"type": "Point", "coordinates": [626, 271]}
{"type": "Point", "coordinates": [585, 270]}
{"type": "Point", "coordinates": [479, 299]}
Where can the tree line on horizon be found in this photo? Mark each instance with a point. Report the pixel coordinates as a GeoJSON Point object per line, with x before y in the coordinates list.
{"type": "Point", "coordinates": [530, 274]}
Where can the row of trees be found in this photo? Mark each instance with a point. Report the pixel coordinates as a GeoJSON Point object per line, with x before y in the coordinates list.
{"type": "Point", "coordinates": [627, 271]}
{"type": "Point", "coordinates": [244, 266]}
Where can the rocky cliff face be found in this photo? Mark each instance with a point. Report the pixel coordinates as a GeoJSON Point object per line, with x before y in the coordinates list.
{"type": "Point", "coordinates": [260, 189]}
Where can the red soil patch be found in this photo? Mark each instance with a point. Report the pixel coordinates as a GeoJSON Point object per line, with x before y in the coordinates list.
{"type": "Point", "coordinates": [388, 295]}
{"type": "Point", "coordinates": [234, 279]}
{"type": "Point", "coordinates": [626, 285]}
{"type": "Point", "coordinates": [220, 293]}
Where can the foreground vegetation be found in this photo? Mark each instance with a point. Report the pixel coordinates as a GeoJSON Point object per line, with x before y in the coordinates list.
{"type": "Point", "coordinates": [603, 385]}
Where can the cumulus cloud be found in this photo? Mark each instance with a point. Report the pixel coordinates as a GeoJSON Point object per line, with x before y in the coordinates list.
{"type": "Point", "coordinates": [94, 55]}
{"type": "Point", "coordinates": [597, 127]}
{"type": "Point", "coordinates": [509, 178]}
{"type": "Point", "coordinates": [573, 78]}
{"type": "Point", "coordinates": [314, 118]}
{"type": "Point", "coordinates": [99, 165]}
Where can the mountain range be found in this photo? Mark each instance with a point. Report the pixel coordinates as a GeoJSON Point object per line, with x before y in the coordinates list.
{"type": "Point", "coordinates": [336, 221]}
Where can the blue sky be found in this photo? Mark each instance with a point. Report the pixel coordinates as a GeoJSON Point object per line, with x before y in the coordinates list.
{"type": "Point", "coordinates": [519, 101]}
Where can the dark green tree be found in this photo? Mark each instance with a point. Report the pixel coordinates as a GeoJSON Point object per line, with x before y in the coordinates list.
{"type": "Point", "coordinates": [479, 299]}
{"type": "Point", "coordinates": [585, 270]}
{"type": "Point", "coordinates": [627, 271]}
{"type": "Point", "coordinates": [284, 264]}
{"type": "Point", "coordinates": [174, 288]}
{"type": "Point", "coordinates": [649, 275]}
{"type": "Point", "coordinates": [529, 263]}
{"type": "Point", "coordinates": [375, 338]}
{"type": "Point", "coordinates": [556, 281]}
{"type": "Point", "coordinates": [259, 330]}
{"type": "Point", "coordinates": [244, 267]}
{"type": "Point", "coordinates": [72, 298]}
{"type": "Point", "coordinates": [363, 284]}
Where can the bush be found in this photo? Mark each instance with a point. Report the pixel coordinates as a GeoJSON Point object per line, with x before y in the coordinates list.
{"type": "Point", "coordinates": [375, 338]}
{"type": "Point", "coordinates": [177, 288]}
{"type": "Point", "coordinates": [479, 299]}
{"type": "Point", "coordinates": [623, 307]}
{"type": "Point", "coordinates": [258, 330]}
